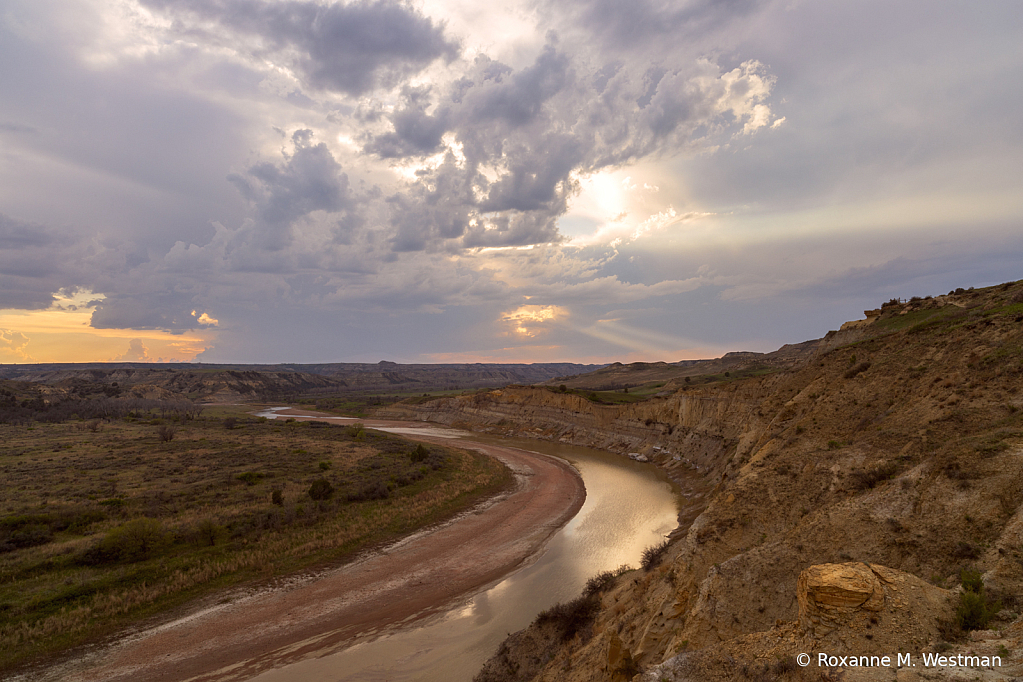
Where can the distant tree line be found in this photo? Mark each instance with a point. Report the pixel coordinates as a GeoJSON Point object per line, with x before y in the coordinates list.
{"type": "Point", "coordinates": [14, 411]}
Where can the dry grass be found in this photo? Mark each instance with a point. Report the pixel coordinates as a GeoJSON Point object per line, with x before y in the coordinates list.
{"type": "Point", "coordinates": [73, 498]}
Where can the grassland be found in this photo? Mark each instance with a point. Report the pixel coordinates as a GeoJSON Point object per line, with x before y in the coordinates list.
{"type": "Point", "coordinates": [646, 391]}
{"type": "Point", "coordinates": [105, 523]}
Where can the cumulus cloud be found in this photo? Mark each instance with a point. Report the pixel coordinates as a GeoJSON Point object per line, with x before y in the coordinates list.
{"type": "Point", "coordinates": [352, 47]}
{"type": "Point", "coordinates": [206, 319]}
{"type": "Point", "coordinates": [137, 352]}
{"type": "Point", "coordinates": [13, 346]}
{"type": "Point", "coordinates": [344, 167]}
{"type": "Point", "coordinates": [310, 179]}
{"type": "Point", "coordinates": [517, 137]}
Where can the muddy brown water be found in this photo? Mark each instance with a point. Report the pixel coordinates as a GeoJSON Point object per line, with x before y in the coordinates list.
{"type": "Point", "coordinates": [629, 506]}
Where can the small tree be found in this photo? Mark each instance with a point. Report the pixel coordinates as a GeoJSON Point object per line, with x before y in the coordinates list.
{"type": "Point", "coordinates": [207, 532]}
{"type": "Point", "coordinates": [321, 489]}
{"type": "Point", "coordinates": [165, 432]}
{"type": "Point", "coordinates": [975, 609]}
{"type": "Point", "coordinates": [134, 541]}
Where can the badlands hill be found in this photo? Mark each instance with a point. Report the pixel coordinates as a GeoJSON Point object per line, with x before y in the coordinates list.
{"type": "Point", "coordinates": [850, 495]}
{"type": "Point", "coordinates": [247, 383]}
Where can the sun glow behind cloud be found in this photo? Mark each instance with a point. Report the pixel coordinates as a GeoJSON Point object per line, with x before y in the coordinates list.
{"type": "Point", "coordinates": [619, 163]}
{"type": "Point", "coordinates": [533, 320]}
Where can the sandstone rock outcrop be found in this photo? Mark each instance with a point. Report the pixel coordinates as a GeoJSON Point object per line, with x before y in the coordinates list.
{"type": "Point", "coordinates": [876, 606]}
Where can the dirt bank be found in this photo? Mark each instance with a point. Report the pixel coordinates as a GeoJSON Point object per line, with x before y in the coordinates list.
{"type": "Point", "coordinates": [310, 614]}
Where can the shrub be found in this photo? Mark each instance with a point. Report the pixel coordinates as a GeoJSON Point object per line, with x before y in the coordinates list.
{"type": "Point", "coordinates": [652, 555]}
{"type": "Point", "coordinates": [571, 618]}
{"type": "Point", "coordinates": [419, 454]}
{"type": "Point", "coordinates": [230, 422]}
{"type": "Point", "coordinates": [321, 489]}
{"type": "Point", "coordinates": [604, 580]}
{"type": "Point", "coordinates": [324, 466]}
{"type": "Point", "coordinates": [277, 497]}
{"type": "Point", "coordinates": [250, 477]}
{"type": "Point", "coordinates": [975, 610]}
{"type": "Point", "coordinates": [967, 550]}
{"type": "Point", "coordinates": [208, 532]}
{"type": "Point", "coordinates": [376, 490]}
{"type": "Point", "coordinates": [165, 433]}
{"type": "Point", "coordinates": [28, 535]}
{"type": "Point", "coordinates": [971, 580]}
{"type": "Point", "coordinates": [863, 480]}
{"type": "Point", "coordinates": [137, 540]}
{"type": "Point", "coordinates": [862, 367]}
{"type": "Point", "coordinates": [785, 666]}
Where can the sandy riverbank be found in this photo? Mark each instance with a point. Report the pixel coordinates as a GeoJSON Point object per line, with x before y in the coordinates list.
{"type": "Point", "coordinates": [312, 614]}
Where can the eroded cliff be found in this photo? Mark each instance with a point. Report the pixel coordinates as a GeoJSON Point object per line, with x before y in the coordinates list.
{"type": "Point", "coordinates": [898, 445]}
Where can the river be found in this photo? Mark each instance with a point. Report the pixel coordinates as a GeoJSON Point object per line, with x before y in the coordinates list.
{"type": "Point", "coordinates": [629, 506]}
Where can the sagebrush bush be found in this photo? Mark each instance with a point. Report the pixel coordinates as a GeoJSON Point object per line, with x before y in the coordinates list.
{"type": "Point", "coordinates": [137, 540]}
{"type": "Point", "coordinates": [604, 580]}
{"type": "Point", "coordinates": [250, 477]}
{"type": "Point", "coordinates": [572, 617]}
{"type": "Point", "coordinates": [652, 555]}
{"type": "Point", "coordinates": [321, 489]}
{"type": "Point", "coordinates": [863, 480]}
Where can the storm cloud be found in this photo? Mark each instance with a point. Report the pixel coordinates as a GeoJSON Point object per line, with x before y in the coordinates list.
{"type": "Point", "coordinates": [298, 180]}
{"type": "Point", "coordinates": [523, 135]}
{"type": "Point", "coordinates": [348, 47]}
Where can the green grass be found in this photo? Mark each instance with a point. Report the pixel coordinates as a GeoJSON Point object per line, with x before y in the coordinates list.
{"type": "Point", "coordinates": [75, 504]}
{"type": "Point", "coordinates": [912, 319]}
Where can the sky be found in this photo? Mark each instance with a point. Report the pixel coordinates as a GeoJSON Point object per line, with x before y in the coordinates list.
{"type": "Point", "coordinates": [273, 181]}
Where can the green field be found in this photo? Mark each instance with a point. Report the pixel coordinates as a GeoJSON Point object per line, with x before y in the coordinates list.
{"type": "Point", "coordinates": [104, 523]}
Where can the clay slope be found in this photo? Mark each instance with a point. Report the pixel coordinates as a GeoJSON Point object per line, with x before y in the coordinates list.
{"type": "Point", "coordinates": [900, 444]}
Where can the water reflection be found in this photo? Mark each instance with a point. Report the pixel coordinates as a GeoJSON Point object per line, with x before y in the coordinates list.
{"type": "Point", "coordinates": [629, 506]}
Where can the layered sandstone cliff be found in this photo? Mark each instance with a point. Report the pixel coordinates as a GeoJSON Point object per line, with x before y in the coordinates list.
{"type": "Point", "coordinates": [899, 445]}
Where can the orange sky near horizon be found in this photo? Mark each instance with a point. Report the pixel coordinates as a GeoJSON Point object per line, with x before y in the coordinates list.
{"type": "Point", "coordinates": [62, 333]}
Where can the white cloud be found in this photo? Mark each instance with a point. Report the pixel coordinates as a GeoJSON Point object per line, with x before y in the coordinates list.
{"type": "Point", "coordinates": [137, 352]}
{"type": "Point", "coordinates": [13, 345]}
